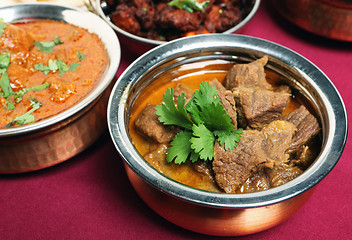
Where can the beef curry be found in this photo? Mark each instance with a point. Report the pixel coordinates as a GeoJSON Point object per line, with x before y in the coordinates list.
{"type": "Point", "coordinates": [280, 137]}
{"type": "Point", "coordinates": [45, 67]}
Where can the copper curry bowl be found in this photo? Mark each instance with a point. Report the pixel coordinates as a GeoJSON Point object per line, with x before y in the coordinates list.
{"type": "Point", "coordinates": [47, 142]}
{"type": "Point", "coordinates": [226, 214]}
{"type": "Point", "coordinates": [136, 43]}
{"type": "Point", "coordinates": [328, 18]}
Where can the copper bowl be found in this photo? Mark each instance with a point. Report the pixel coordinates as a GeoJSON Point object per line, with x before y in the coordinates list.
{"type": "Point", "coordinates": [58, 138]}
{"type": "Point", "coordinates": [328, 18]}
{"type": "Point", "coordinates": [139, 45]}
{"type": "Point", "coordinates": [219, 213]}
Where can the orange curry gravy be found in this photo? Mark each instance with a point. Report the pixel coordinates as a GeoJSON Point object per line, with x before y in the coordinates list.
{"type": "Point", "coordinates": [77, 48]}
{"type": "Point", "coordinates": [191, 75]}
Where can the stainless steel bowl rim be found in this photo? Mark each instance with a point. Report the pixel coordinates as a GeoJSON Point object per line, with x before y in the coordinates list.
{"type": "Point", "coordinates": [78, 17]}
{"type": "Point", "coordinates": [333, 104]}
{"type": "Point", "coordinates": [97, 7]}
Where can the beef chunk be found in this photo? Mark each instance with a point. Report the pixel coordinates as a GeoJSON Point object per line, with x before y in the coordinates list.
{"type": "Point", "coordinates": [307, 127]}
{"type": "Point", "coordinates": [257, 182]}
{"type": "Point", "coordinates": [233, 167]}
{"type": "Point", "coordinates": [278, 136]}
{"type": "Point", "coordinates": [258, 107]}
{"type": "Point", "coordinates": [303, 157]}
{"type": "Point", "coordinates": [157, 157]}
{"type": "Point", "coordinates": [147, 123]}
{"type": "Point", "coordinates": [255, 151]}
{"type": "Point", "coordinates": [281, 173]}
{"type": "Point", "coordinates": [249, 75]}
{"type": "Point", "coordinates": [227, 100]}
{"type": "Point", "coordinates": [182, 88]}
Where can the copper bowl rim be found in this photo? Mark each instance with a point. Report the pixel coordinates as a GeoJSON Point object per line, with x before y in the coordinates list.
{"type": "Point", "coordinates": [95, 6]}
{"type": "Point", "coordinates": [324, 95]}
{"type": "Point", "coordinates": [78, 17]}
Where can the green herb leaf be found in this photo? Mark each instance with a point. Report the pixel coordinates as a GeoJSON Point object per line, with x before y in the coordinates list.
{"type": "Point", "coordinates": [26, 117]}
{"type": "Point", "coordinates": [48, 46]}
{"type": "Point", "coordinates": [20, 93]}
{"type": "Point", "coordinates": [2, 26]}
{"type": "Point", "coordinates": [209, 121]}
{"type": "Point", "coordinates": [203, 142]}
{"type": "Point", "coordinates": [10, 105]}
{"type": "Point", "coordinates": [169, 114]}
{"type": "Point", "coordinates": [189, 5]}
{"type": "Point", "coordinates": [180, 147]}
{"type": "Point", "coordinates": [229, 139]}
{"type": "Point", "coordinates": [73, 66]}
{"type": "Point", "coordinates": [80, 55]}
{"type": "Point", "coordinates": [4, 62]}
{"type": "Point", "coordinates": [62, 67]}
{"type": "Point", "coordinates": [5, 85]}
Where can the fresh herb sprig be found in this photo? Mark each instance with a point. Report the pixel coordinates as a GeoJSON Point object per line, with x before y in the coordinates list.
{"type": "Point", "coordinates": [26, 117]}
{"type": "Point", "coordinates": [203, 120]}
{"type": "Point", "coordinates": [2, 26]}
{"type": "Point", "coordinates": [189, 5]}
{"type": "Point", "coordinates": [48, 46]}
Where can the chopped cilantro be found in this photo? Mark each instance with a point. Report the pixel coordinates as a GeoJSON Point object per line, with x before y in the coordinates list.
{"type": "Point", "coordinates": [189, 5]}
{"type": "Point", "coordinates": [80, 55]}
{"type": "Point", "coordinates": [5, 85]}
{"type": "Point", "coordinates": [20, 93]}
{"type": "Point", "coordinates": [73, 66]}
{"type": "Point", "coordinates": [48, 46]}
{"type": "Point", "coordinates": [54, 66]}
{"type": "Point", "coordinates": [2, 26]}
{"type": "Point", "coordinates": [4, 62]}
{"type": "Point", "coordinates": [26, 117]}
{"type": "Point", "coordinates": [203, 120]}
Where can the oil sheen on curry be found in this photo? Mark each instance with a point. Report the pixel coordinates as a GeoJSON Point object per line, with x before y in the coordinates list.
{"type": "Point", "coordinates": [45, 67]}
{"type": "Point", "coordinates": [225, 127]}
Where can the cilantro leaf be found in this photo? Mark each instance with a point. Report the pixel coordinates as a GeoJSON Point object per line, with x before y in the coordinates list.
{"type": "Point", "coordinates": [20, 93]}
{"type": "Point", "coordinates": [80, 55]}
{"type": "Point", "coordinates": [26, 117]}
{"type": "Point", "coordinates": [4, 62]}
{"type": "Point", "coordinates": [5, 85]}
{"type": "Point", "coordinates": [229, 139]}
{"type": "Point", "coordinates": [73, 66]}
{"type": "Point", "coordinates": [189, 5]}
{"type": "Point", "coordinates": [2, 26]}
{"type": "Point", "coordinates": [62, 67]}
{"type": "Point", "coordinates": [169, 114]}
{"type": "Point", "coordinates": [48, 47]}
{"type": "Point", "coordinates": [180, 147]}
{"type": "Point", "coordinates": [208, 121]}
{"type": "Point", "coordinates": [203, 142]}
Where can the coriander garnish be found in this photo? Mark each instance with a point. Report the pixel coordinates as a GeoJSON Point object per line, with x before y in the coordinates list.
{"type": "Point", "coordinates": [189, 5]}
{"type": "Point", "coordinates": [48, 46]}
{"type": "Point", "coordinates": [203, 120]}
{"type": "Point", "coordinates": [26, 117]}
{"type": "Point", "coordinates": [54, 66]}
{"type": "Point", "coordinates": [2, 26]}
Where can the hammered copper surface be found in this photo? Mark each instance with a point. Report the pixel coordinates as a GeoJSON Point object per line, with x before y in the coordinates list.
{"type": "Point", "coordinates": [331, 19]}
{"type": "Point", "coordinates": [215, 221]}
{"type": "Point", "coordinates": [50, 146]}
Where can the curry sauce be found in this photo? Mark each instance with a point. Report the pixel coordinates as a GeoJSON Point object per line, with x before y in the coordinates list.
{"type": "Point", "coordinates": [52, 66]}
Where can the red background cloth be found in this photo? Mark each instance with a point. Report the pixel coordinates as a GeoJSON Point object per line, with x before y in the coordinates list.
{"type": "Point", "coordinates": [90, 197]}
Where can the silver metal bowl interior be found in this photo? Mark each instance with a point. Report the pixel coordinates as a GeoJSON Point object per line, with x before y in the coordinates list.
{"type": "Point", "coordinates": [78, 17]}
{"type": "Point", "coordinates": [300, 74]}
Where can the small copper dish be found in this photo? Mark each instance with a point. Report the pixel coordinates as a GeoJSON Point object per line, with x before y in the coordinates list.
{"type": "Point", "coordinates": [139, 44]}
{"type": "Point", "coordinates": [58, 138]}
{"type": "Point", "coordinates": [223, 214]}
{"type": "Point", "coordinates": [328, 18]}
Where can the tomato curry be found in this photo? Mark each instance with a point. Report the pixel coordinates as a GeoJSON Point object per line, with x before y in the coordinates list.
{"type": "Point", "coordinates": [45, 67]}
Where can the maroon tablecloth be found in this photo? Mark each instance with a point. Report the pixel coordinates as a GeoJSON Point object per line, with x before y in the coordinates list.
{"type": "Point", "coordinates": [90, 197]}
